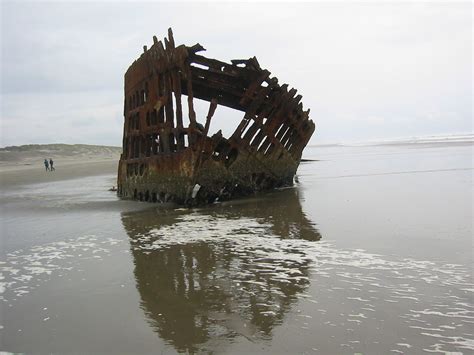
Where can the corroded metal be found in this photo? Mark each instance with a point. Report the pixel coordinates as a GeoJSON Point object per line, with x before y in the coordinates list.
{"type": "Point", "coordinates": [165, 160]}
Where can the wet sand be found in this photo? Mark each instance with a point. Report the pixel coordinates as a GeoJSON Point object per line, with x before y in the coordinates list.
{"type": "Point", "coordinates": [15, 175]}
{"type": "Point", "coordinates": [370, 252]}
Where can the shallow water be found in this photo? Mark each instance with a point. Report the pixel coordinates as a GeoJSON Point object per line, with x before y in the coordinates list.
{"type": "Point", "coordinates": [370, 252]}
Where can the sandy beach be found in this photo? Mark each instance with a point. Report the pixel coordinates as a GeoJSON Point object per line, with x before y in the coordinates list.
{"type": "Point", "coordinates": [20, 175]}
{"type": "Point", "coordinates": [24, 165]}
{"type": "Point", "coordinates": [370, 252]}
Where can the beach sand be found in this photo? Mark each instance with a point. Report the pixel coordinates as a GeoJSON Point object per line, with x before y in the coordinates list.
{"type": "Point", "coordinates": [20, 165]}
{"type": "Point", "coordinates": [370, 252]}
{"type": "Point", "coordinates": [16, 174]}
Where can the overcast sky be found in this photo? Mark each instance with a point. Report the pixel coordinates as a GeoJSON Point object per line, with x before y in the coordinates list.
{"type": "Point", "coordinates": [366, 70]}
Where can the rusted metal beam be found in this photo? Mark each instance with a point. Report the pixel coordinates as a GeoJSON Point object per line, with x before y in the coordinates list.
{"type": "Point", "coordinates": [165, 159]}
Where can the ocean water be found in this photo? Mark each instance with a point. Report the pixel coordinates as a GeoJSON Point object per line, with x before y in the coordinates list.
{"type": "Point", "coordinates": [370, 252]}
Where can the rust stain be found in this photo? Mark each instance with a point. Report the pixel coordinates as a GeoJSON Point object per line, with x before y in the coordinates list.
{"type": "Point", "coordinates": [164, 160]}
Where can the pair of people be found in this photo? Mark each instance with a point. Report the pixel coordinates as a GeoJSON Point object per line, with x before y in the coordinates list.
{"type": "Point", "coordinates": [49, 165]}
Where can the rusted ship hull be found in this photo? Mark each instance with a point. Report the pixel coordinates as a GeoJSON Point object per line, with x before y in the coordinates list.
{"type": "Point", "coordinates": [165, 160]}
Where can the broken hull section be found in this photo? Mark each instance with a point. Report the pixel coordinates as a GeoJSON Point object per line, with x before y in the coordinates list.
{"type": "Point", "coordinates": [164, 160]}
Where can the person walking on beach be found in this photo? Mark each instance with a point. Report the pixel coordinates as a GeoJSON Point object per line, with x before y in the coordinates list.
{"type": "Point", "coordinates": [46, 164]}
{"type": "Point", "coordinates": [51, 162]}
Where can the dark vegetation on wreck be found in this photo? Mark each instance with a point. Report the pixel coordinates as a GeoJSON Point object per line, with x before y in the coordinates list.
{"type": "Point", "coordinates": [164, 160]}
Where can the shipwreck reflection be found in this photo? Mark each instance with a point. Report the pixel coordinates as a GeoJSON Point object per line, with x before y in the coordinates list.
{"type": "Point", "coordinates": [222, 272]}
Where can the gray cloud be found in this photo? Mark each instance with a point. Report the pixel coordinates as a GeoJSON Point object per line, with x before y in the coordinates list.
{"type": "Point", "coordinates": [371, 70]}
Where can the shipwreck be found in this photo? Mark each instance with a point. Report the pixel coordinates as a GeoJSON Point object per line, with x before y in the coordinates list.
{"type": "Point", "coordinates": [165, 160]}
